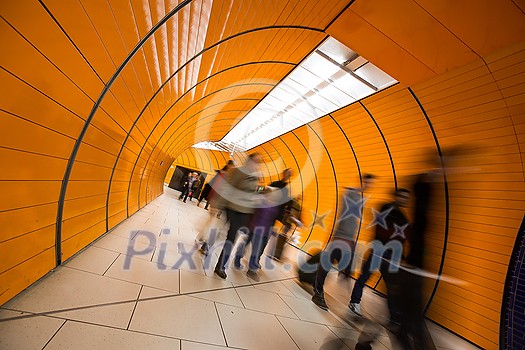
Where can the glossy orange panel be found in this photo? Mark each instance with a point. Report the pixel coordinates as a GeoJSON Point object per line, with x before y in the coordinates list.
{"type": "Point", "coordinates": [22, 276]}
{"type": "Point", "coordinates": [24, 194]}
{"type": "Point", "coordinates": [51, 43]}
{"type": "Point", "coordinates": [485, 26]}
{"type": "Point", "coordinates": [77, 242]}
{"type": "Point", "coordinates": [17, 250]}
{"type": "Point", "coordinates": [417, 32]}
{"type": "Point", "coordinates": [50, 86]}
{"type": "Point", "coordinates": [369, 42]}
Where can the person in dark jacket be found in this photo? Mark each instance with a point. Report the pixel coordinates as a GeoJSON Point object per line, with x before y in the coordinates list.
{"type": "Point", "coordinates": [208, 190]}
{"type": "Point", "coordinates": [390, 224]}
{"type": "Point", "coordinates": [204, 195]}
{"type": "Point", "coordinates": [204, 239]}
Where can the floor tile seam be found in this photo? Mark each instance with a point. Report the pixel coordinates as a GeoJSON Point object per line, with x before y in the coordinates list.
{"type": "Point", "coordinates": [65, 319]}
{"type": "Point", "coordinates": [289, 307]}
{"type": "Point", "coordinates": [279, 293]}
{"type": "Point", "coordinates": [122, 280]}
{"type": "Point", "coordinates": [124, 329]}
{"type": "Point", "coordinates": [289, 288]}
{"type": "Point", "coordinates": [313, 322]}
{"type": "Point", "coordinates": [31, 314]}
{"type": "Point", "coordinates": [54, 334]}
{"type": "Point", "coordinates": [220, 323]}
{"type": "Point", "coordinates": [338, 337]}
{"type": "Point", "coordinates": [289, 335]}
{"type": "Point", "coordinates": [259, 311]}
{"type": "Point", "coordinates": [202, 342]}
{"type": "Point", "coordinates": [266, 312]}
{"type": "Point", "coordinates": [95, 274]}
{"type": "Point", "coordinates": [118, 256]}
{"type": "Point", "coordinates": [115, 251]}
{"type": "Point", "coordinates": [134, 308]}
{"type": "Point", "coordinates": [238, 296]}
{"type": "Point", "coordinates": [213, 301]}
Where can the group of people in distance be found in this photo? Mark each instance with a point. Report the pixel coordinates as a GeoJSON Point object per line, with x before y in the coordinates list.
{"type": "Point", "coordinates": [191, 184]}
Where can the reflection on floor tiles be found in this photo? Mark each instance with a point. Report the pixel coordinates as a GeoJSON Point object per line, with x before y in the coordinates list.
{"type": "Point", "coordinates": [309, 336]}
{"type": "Point", "coordinates": [253, 330]}
{"type": "Point", "coordinates": [143, 286]}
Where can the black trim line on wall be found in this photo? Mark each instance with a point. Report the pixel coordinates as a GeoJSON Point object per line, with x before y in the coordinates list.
{"type": "Point", "coordinates": [146, 106]}
{"type": "Point", "coordinates": [339, 15]}
{"type": "Point", "coordinates": [356, 162]}
{"type": "Point", "coordinates": [316, 182]}
{"type": "Point", "coordinates": [266, 164]}
{"type": "Point", "coordinates": [294, 159]}
{"type": "Point", "coordinates": [384, 141]}
{"type": "Point", "coordinates": [282, 158]}
{"type": "Point", "coordinates": [391, 164]}
{"type": "Point", "coordinates": [238, 34]}
{"type": "Point", "coordinates": [167, 128]}
{"type": "Point", "coordinates": [335, 177]}
{"type": "Point", "coordinates": [78, 142]}
{"type": "Point", "coordinates": [207, 157]}
{"type": "Point", "coordinates": [447, 199]}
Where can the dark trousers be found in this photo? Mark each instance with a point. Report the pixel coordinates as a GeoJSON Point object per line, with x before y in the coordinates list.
{"type": "Point", "coordinates": [344, 254]}
{"type": "Point", "coordinates": [357, 291]}
{"type": "Point", "coordinates": [185, 193]}
{"type": "Point", "coordinates": [406, 290]}
{"type": "Point", "coordinates": [259, 242]}
{"type": "Point", "coordinates": [237, 221]}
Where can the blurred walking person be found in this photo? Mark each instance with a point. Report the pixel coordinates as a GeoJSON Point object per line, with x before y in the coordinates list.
{"type": "Point", "coordinates": [209, 230]}
{"type": "Point", "coordinates": [240, 197]}
{"type": "Point", "coordinates": [342, 246]}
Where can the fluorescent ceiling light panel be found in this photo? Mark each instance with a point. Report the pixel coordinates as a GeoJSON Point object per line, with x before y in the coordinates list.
{"type": "Point", "coordinates": [332, 77]}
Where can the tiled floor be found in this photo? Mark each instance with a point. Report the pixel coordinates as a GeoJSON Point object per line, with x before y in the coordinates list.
{"type": "Point", "coordinates": [138, 288]}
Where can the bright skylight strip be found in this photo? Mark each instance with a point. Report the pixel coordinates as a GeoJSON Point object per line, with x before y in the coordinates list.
{"type": "Point", "coordinates": [332, 77]}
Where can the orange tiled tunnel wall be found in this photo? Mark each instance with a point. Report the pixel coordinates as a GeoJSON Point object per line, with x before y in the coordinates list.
{"type": "Point", "coordinates": [100, 98]}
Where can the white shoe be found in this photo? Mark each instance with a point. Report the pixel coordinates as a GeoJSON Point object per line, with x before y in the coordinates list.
{"type": "Point", "coordinates": [355, 308]}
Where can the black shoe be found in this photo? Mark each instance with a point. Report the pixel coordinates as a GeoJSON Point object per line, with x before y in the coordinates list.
{"type": "Point", "coordinates": [237, 264]}
{"type": "Point", "coordinates": [253, 275]}
{"type": "Point", "coordinates": [204, 249]}
{"type": "Point", "coordinates": [318, 300]}
{"type": "Point", "coordinates": [220, 273]}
